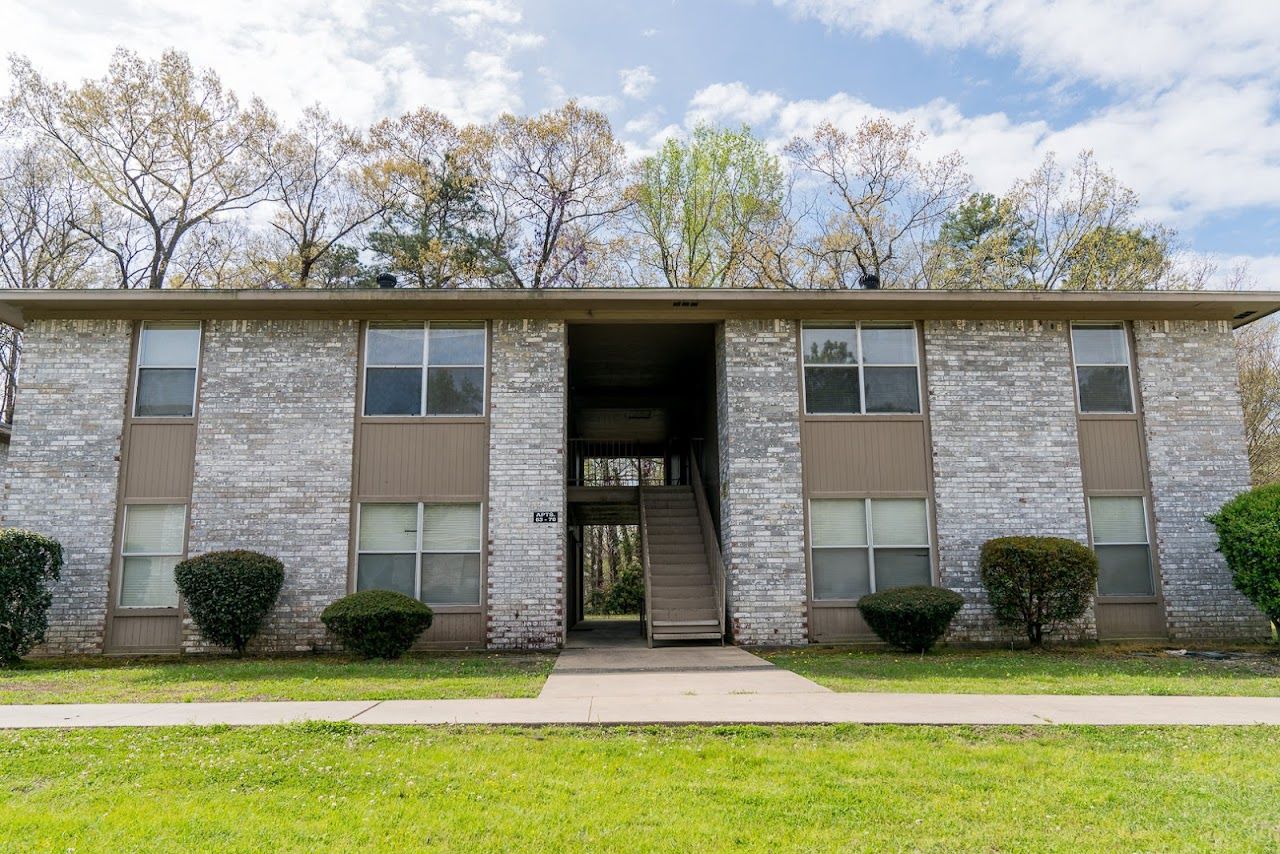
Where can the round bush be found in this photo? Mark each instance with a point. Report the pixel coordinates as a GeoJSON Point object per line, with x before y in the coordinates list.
{"type": "Point", "coordinates": [229, 594]}
{"type": "Point", "coordinates": [29, 563]}
{"type": "Point", "coordinates": [1038, 584]}
{"type": "Point", "coordinates": [626, 594]}
{"type": "Point", "coordinates": [1249, 538]}
{"type": "Point", "coordinates": [911, 618]}
{"type": "Point", "coordinates": [377, 623]}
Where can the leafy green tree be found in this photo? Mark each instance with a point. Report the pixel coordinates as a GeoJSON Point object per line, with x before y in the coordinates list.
{"type": "Point", "coordinates": [982, 244]}
{"type": "Point", "coordinates": [1119, 259]}
{"type": "Point", "coordinates": [706, 206]}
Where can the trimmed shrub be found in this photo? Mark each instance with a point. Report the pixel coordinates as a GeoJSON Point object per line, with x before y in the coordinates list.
{"type": "Point", "coordinates": [377, 623]}
{"type": "Point", "coordinates": [229, 594]}
{"type": "Point", "coordinates": [1038, 584]}
{"type": "Point", "coordinates": [1249, 538]}
{"type": "Point", "coordinates": [911, 618]}
{"type": "Point", "coordinates": [29, 563]}
{"type": "Point", "coordinates": [626, 594]}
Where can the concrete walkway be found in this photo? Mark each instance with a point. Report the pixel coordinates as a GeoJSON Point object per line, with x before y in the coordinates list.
{"type": "Point", "coordinates": [606, 675]}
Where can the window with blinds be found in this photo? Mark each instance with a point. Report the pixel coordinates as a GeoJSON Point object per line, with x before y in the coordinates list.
{"type": "Point", "coordinates": [153, 543]}
{"type": "Point", "coordinates": [168, 356]}
{"type": "Point", "coordinates": [1103, 380]}
{"type": "Point", "coordinates": [862, 545]}
{"type": "Point", "coordinates": [1119, 525]}
{"type": "Point", "coordinates": [424, 369]}
{"type": "Point", "coordinates": [860, 369]}
{"type": "Point", "coordinates": [428, 551]}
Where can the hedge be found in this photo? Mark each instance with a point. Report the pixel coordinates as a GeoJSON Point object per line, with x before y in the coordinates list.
{"type": "Point", "coordinates": [1249, 538]}
{"type": "Point", "coordinates": [29, 564]}
{"type": "Point", "coordinates": [377, 623]}
{"type": "Point", "coordinates": [1038, 584]}
{"type": "Point", "coordinates": [229, 594]}
{"type": "Point", "coordinates": [911, 618]}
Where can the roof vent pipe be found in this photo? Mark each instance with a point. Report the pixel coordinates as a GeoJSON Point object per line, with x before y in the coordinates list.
{"type": "Point", "coordinates": [869, 282]}
{"type": "Point", "coordinates": [386, 280]}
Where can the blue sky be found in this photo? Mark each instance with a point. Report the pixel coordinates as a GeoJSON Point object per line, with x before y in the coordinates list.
{"type": "Point", "coordinates": [1180, 97]}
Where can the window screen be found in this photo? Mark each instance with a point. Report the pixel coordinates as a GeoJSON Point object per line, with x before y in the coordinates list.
{"type": "Point", "coordinates": [168, 354]}
{"type": "Point", "coordinates": [859, 545]}
{"type": "Point", "coordinates": [153, 544]}
{"type": "Point", "coordinates": [1101, 354]}
{"type": "Point", "coordinates": [1120, 540]}
{"type": "Point", "coordinates": [864, 368]}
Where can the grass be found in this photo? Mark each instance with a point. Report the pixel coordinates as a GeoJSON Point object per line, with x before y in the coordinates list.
{"type": "Point", "coordinates": [425, 676]}
{"type": "Point", "coordinates": [1084, 670]}
{"type": "Point", "coordinates": [344, 788]}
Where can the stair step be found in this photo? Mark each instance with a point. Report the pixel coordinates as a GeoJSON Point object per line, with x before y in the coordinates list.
{"type": "Point", "coordinates": [684, 624]}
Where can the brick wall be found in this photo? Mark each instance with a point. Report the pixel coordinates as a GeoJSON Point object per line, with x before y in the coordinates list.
{"type": "Point", "coordinates": [1005, 453]}
{"type": "Point", "coordinates": [64, 463]}
{"type": "Point", "coordinates": [273, 462]}
{"type": "Point", "coordinates": [1197, 458]}
{"type": "Point", "coordinates": [761, 497]}
{"type": "Point", "coordinates": [526, 561]}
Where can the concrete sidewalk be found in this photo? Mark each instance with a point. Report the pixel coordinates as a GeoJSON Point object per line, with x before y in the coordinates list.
{"type": "Point", "coordinates": [606, 675]}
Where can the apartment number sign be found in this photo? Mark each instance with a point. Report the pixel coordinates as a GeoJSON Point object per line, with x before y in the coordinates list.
{"type": "Point", "coordinates": [540, 516]}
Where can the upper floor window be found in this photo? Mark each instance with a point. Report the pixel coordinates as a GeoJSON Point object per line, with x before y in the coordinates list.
{"type": "Point", "coordinates": [428, 551]}
{"type": "Point", "coordinates": [1101, 352]}
{"type": "Point", "coordinates": [860, 369]}
{"type": "Point", "coordinates": [861, 545]}
{"type": "Point", "coordinates": [424, 369]}
{"type": "Point", "coordinates": [1119, 525]}
{"type": "Point", "coordinates": [168, 354]}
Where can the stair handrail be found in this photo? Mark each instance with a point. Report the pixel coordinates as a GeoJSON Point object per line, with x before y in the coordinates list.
{"type": "Point", "coordinates": [710, 543]}
{"type": "Point", "coordinates": [644, 559]}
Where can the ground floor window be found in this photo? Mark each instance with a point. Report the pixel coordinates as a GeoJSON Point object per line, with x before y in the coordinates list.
{"type": "Point", "coordinates": [1119, 525]}
{"type": "Point", "coordinates": [862, 545]}
{"type": "Point", "coordinates": [428, 551]}
{"type": "Point", "coordinates": [152, 545]}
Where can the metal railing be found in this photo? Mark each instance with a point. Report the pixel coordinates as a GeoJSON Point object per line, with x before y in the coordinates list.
{"type": "Point", "coordinates": [710, 542]}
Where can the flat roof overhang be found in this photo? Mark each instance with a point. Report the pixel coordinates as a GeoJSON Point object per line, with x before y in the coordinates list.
{"type": "Point", "coordinates": [17, 307]}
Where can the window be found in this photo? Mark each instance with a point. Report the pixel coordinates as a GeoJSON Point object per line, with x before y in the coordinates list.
{"type": "Point", "coordinates": [1120, 540]}
{"type": "Point", "coordinates": [1101, 352]}
{"type": "Point", "coordinates": [166, 383]}
{"type": "Point", "coordinates": [153, 544]}
{"type": "Point", "coordinates": [863, 368]}
{"type": "Point", "coordinates": [862, 545]}
{"type": "Point", "coordinates": [428, 551]}
{"type": "Point", "coordinates": [424, 369]}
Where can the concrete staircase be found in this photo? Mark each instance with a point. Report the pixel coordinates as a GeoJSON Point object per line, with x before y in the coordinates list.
{"type": "Point", "coordinates": [682, 594]}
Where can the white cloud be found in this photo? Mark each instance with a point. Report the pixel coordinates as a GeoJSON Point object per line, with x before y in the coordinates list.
{"type": "Point", "coordinates": [360, 58]}
{"type": "Point", "coordinates": [725, 103]}
{"type": "Point", "coordinates": [1140, 43]}
{"type": "Point", "coordinates": [637, 82]}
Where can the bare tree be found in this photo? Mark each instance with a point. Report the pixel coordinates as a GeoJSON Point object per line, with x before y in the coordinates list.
{"type": "Point", "coordinates": [884, 201]}
{"type": "Point", "coordinates": [317, 174]}
{"type": "Point", "coordinates": [163, 148]}
{"type": "Point", "coordinates": [1258, 360]}
{"type": "Point", "coordinates": [554, 189]}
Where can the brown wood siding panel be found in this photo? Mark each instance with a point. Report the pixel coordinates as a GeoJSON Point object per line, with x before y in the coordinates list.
{"type": "Point", "coordinates": [1130, 621]}
{"type": "Point", "coordinates": [145, 633]}
{"type": "Point", "coordinates": [865, 456]}
{"type": "Point", "coordinates": [158, 462]}
{"type": "Point", "coordinates": [1111, 455]}
{"type": "Point", "coordinates": [454, 630]}
{"type": "Point", "coordinates": [832, 625]}
{"type": "Point", "coordinates": [422, 460]}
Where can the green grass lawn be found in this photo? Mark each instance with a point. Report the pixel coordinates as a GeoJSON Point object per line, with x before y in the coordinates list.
{"type": "Point", "coordinates": [425, 676]}
{"type": "Point", "coordinates": [1084, 670]}
{"type": "Point", "coordinates": [345, 788]}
